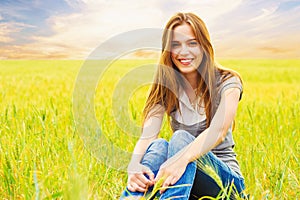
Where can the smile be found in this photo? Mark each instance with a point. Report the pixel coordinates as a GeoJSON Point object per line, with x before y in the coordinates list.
{"type": "Point", "coordinates": [186, 61]}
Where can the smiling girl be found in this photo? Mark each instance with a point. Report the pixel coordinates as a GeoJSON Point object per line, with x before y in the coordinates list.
{"type": "Point", "coordinates": [201, 99]}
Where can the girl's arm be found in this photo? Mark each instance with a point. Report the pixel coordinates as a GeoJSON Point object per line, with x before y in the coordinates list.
{"type": "Point", "coordinates": [218, 128]}
{"type": "Point", "coordinates": [174, 167]}
{"type": "Point", "coordinates": [136, 179]}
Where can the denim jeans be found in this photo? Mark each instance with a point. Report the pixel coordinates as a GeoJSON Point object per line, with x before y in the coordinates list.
{"type": "Point", "coordinates": [199, 182]}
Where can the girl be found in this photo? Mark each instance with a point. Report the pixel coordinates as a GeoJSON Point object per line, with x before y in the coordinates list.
{"type": "Point", "coordinates": [201, 99]}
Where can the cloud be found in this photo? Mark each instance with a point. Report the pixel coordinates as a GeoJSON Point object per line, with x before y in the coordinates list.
{"type": "Point", "coordinates": [8, 29]}
{"type": "Point", "coordinates": [273, 50]}
{"type": "Point", "coordinates": [265, 13]}
{"type": "Point", "coordinates": [5, 30]}
{"type": "Point", "coordinates": [209, 10]}
{"type": "Point", "coordinates": [85, 30]}
{"type": "Point", "coordinates": [257, 29]}
{"type": "Point", "coordinates": [98, 21]}
{"type": "Point", "coordinates": [239, 28]}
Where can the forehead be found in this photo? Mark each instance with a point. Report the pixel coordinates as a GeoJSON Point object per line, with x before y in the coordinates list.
{"type": "Point", "coordinates": [183, 32]}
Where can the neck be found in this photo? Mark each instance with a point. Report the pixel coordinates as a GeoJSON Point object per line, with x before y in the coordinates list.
{"type": "Point", "coordinates": [190, 86]}
{"type": "Point", "coordinates": [191, 79]}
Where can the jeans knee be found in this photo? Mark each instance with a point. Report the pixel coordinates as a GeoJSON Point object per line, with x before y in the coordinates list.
{"type": "Point", "coordinates": [159, 148]}
{"type": "Point", "coordinates": [179, 140]}
{"type": "Point", "coordinates": [182, 136]}
{"type": "Point", "coordinates": [156, 154]}
{"type": "Point", "coordinates": [159, 143]}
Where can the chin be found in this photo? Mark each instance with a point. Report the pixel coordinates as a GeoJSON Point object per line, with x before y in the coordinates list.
{"type": "Point", "coordinates": [187, 71]}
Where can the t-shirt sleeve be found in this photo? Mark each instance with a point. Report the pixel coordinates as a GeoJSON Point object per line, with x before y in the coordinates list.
{"type": "Point", "coordinates": [232, 82]}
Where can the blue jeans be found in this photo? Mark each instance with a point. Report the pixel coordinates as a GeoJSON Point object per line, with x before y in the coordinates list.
{"type": "Point", "coordinates": [199, 182]}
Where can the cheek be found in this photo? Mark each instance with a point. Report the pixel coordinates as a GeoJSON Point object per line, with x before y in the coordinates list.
{"type": "Point", "coordinates": [173, 57]}
{"type": "Point", "coordinates": [198, 52]}
{"type": "Point", "coordinates": [200, 55]}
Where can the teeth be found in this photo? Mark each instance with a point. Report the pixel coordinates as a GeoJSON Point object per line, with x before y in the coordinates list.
{"type": "Point", "coordinates": [186, 60]}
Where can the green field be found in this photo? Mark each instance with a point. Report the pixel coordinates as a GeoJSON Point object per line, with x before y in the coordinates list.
{"type": "Point", "coordinates": [43, 157]}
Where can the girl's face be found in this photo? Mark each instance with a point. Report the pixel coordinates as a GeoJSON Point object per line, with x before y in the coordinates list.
{"type": "Point", "coordinates": [186, 52]}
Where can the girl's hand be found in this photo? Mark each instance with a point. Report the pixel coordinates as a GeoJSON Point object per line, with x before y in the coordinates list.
{"type": "Point", "coordinates": [137, 181]}
{"type": "Point", "coordinates": [171, 171]}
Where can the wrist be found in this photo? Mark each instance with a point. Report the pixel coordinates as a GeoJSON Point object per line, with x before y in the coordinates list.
{"type": "Point", "coordinates": [133, 166]}
{"type": "Point", "coordinates": [188, 155]}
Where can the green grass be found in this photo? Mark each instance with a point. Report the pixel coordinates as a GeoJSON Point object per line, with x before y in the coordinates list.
{"type": "Point", "coordinates": [42, 156]}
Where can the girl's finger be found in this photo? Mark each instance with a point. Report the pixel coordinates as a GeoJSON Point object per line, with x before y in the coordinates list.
{"type": "Point", "coordinates": [166, 183]}
{"type": "Point", "coordinates": [150, 174]}
{"type": "Point", "coordinates": [136, 187]}
{"type": "Point", "coordinates": [130, 188]}
{"type": "Point", "coordinates": [143, 179]}
{"type": "Point", "coordinates": [174, 180]}
{"type": "Point", "coordinates": [140, 182]}
{"type": "Point", "coordinates": [158, 176]}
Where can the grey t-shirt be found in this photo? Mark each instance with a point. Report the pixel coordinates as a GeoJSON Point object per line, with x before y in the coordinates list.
{"type": "Point", "coordinates": [223, 151]}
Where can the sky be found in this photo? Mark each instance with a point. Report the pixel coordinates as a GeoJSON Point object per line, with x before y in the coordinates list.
{"type": "Point", "coordinates": [73, 29]}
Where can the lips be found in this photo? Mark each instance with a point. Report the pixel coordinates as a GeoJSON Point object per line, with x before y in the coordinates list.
{"type": "Point", "coordinates": [186, 61]}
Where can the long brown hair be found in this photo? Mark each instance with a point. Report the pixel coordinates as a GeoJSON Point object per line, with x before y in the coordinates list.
{"type": "Point", "coordinates": [167, 81]}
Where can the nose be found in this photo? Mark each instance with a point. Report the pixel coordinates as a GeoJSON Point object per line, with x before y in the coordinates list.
{"type": "Point", "coordinates": [184, 50]}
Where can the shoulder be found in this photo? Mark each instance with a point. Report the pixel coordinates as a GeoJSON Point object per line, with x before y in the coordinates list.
{"type": "Point", "coordinates": [228, 79]}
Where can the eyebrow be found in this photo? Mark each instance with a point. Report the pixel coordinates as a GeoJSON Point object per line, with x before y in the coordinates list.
{"type": "Point", "coordinates": [185, 41]}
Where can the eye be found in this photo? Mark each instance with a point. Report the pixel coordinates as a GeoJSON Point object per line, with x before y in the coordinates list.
{"type": "Point", "coordinates": [175, 44]}
{"type": "Point", "coordinates": [193, 43]}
